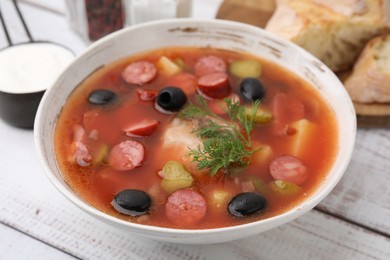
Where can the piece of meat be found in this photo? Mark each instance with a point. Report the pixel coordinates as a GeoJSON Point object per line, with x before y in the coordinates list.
{"type": "Point", "coordinates": [147, 94]}
{"type": "Point", "coordinates": [184, 81]}
{"type": "Point", "coordinates": [126, 155]}
{"type": "Point", "coordinates": [185, 207]}
{"type": "Point", "coordinates": [179, 134]}
{"type": "Point", "coordinates": [285, 110]}
{"type": "Point", "coordinates": [80, 151]}
{"type": "Point", "coordinates": [143, 128]}
{"type": "Point", "coordinates": [139, 73]}
{"type": "Point", "coordinates": [288, 168]}
{"type": "Point", "coordinates": [215, 85]}
{"type": "Point", "coordinates": [209, 64]}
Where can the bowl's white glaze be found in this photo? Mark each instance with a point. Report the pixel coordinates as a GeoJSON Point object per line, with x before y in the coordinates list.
{"type": "Point", "coordinates": [190, 32]}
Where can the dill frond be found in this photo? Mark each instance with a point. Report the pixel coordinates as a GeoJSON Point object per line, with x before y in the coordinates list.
{"type": "Point", "coordinates": [226, 143]}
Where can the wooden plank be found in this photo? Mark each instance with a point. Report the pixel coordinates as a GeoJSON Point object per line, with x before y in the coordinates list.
{"type": "Point", "coordinates": [363, 193]}
{"type": "Point", "coordinates": [16, 245]}
{"type": "Point", "coordinates": [255, 12]}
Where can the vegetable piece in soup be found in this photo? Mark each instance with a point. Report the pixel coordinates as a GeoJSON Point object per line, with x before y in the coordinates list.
{"type": "Point", "coordinates": [195, 138]}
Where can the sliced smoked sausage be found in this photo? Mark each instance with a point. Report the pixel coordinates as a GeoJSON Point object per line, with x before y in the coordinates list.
{"type": "Point", "coordinates": [139, 73]}
{"type": "Point", "coordinates": [215, 85]}
{"type": "Point", "coordinates": [80, 148]}
{"type": "Point", "coordinates": [143, 128]}
{"type": "Point", "coordinates": [185, 207]}
{"type": "Point", "coordinates": [147, 94]}
{"type": "Point", "coordinates": [126, 155]}
{"type": "Point", "coordinates": [209, 64]}
{"type": "Point", "coordinates": [288, 168]}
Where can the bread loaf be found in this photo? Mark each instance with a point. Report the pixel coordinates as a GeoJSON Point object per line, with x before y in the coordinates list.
{"type": "Point", "coordinates": [335, 31]}
{"type": "Point", "coordinates": [370, 79]}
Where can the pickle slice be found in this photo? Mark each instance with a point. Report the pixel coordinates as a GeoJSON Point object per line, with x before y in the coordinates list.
{"type": "Point", "coordinates": [261, 116]}
{"type": "Point", "coordinates": [285, 188]}
{"type": "Point", "coordinates": [175, 177]}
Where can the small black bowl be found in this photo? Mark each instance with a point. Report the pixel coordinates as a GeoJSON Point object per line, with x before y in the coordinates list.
{"type": "Point", "coordinates": [18, 108]}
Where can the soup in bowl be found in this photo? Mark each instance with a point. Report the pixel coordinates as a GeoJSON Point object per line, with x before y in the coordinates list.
{"type": "Point", "coordinates": [195, 131]}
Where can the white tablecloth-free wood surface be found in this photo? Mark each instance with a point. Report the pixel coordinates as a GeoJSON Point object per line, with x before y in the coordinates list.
{"type": "Point", "coordinates": [36, 222]}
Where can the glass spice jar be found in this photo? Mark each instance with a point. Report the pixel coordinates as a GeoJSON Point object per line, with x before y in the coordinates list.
{"type": "Point", "coordinates": [93, 19]}
{"type": "Point", "coordinates": [138, 11]}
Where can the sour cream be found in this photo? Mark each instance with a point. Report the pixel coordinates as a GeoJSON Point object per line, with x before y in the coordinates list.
{"type": "Point", "coordinates": [32, 67]}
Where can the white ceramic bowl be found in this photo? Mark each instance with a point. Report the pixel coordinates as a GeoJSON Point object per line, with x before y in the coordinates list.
{"type": "Point", "coordinates": [190, 32]}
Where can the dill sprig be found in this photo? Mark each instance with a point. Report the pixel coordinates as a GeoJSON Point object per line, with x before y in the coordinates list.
{"type": "Point", "coordinates": [226, 142]}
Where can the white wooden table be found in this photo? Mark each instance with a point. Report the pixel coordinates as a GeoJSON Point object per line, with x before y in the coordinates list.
{"type": "Point", "coordinates": [36, 222]}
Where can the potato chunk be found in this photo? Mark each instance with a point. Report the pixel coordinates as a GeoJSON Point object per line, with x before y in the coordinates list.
{"type": "Point", "coordinates": [304, 134]}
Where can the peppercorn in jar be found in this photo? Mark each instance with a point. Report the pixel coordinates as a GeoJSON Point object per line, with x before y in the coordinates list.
{"type": "Point", "coordinates": [93, 19]}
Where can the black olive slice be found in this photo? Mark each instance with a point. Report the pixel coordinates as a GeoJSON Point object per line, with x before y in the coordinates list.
{"type": "Point", "coordinates": [170, 99]}
{"type": "Point", "coordinates": [252, 89]}
{"type": "Point", "coordinates": [247, 204]}
{"type": "Point", "coordinates": [132, 202]}
{"type": "Point", "coordinates": [101, 97]}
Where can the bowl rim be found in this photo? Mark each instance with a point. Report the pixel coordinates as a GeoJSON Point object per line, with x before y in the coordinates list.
{"type": "Point", "coordinates": [293, 213]}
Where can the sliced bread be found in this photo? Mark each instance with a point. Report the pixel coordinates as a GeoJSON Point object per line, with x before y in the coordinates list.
{"type": "Point", "coordinates": [370, 79]}
{"type": "Point", "coordinates": [335, 31]}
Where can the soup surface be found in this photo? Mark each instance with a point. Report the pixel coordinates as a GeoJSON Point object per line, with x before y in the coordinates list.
{"type": "Point", "coordinates": [195, 138]}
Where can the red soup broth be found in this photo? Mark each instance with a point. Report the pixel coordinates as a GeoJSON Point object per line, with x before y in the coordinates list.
{"type": "Point", "coordinates": [302, 125]}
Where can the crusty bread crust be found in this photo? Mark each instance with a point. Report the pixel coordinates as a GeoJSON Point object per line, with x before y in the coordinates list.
{"type": "Point", "coordinates": [370, 79]}
{"type": "Point", "coordinates": [335, 31]}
